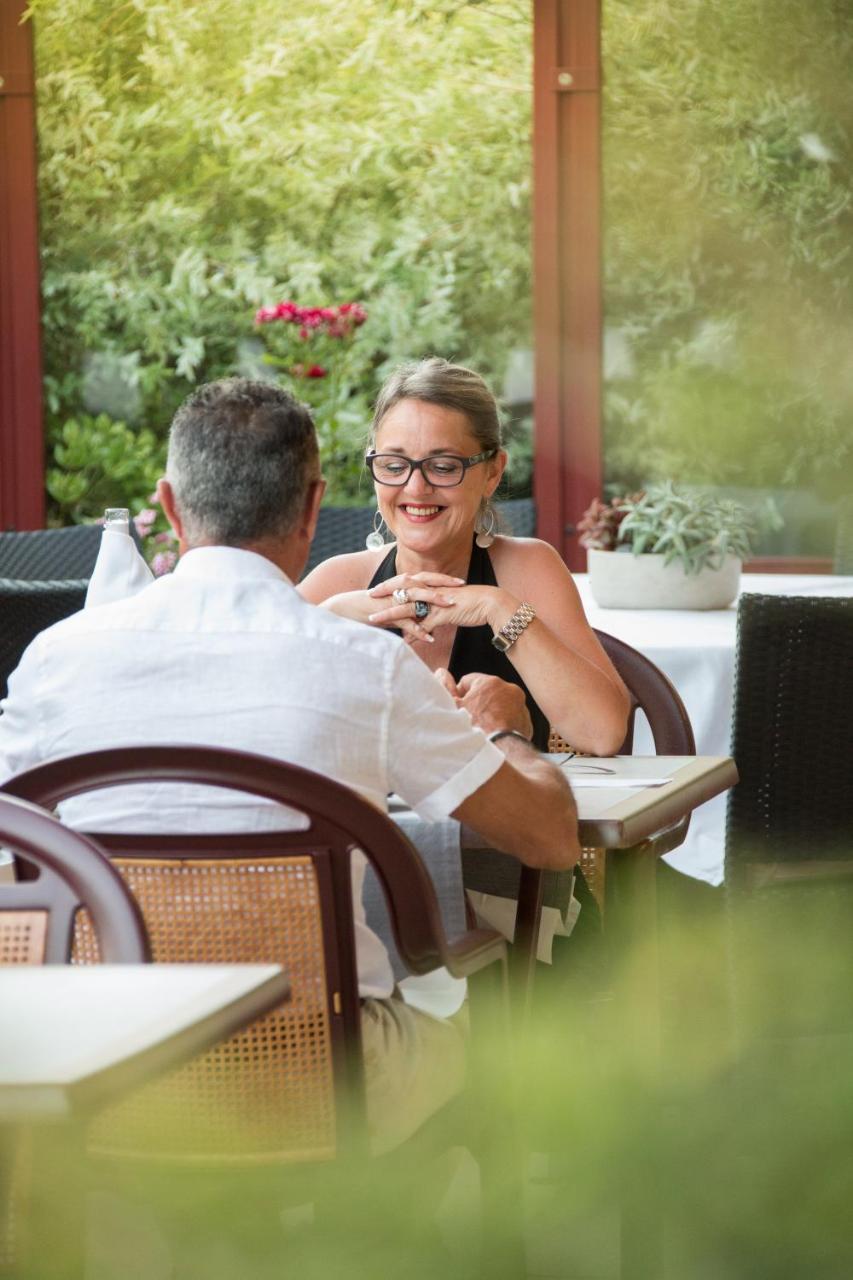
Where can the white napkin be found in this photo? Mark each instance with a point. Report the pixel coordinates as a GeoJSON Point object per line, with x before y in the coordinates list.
{"type": "Point", "coordinates": [119, 571]}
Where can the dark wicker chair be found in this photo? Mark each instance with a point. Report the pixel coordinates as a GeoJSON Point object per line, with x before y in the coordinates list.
{"type": "Point", "coordinates": [37, 914]}
{"type": "Point", "coordinates": [28, 607]}
{"type": "Point", "coordinates": [50, 554]}
{"type": "Point", "coordinates": [789, 833]}
{"type": "Point", "coordinates": [272, 896]}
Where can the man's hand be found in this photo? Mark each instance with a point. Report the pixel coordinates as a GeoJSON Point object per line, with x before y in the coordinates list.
{"type": "Point", "coordinates": [494, 704]}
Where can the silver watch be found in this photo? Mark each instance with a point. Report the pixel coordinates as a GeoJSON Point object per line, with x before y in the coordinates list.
{"type": "Point", "coordinates": [510, 631]}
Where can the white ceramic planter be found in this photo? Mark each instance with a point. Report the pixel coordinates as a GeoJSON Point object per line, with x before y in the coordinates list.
{"type": "Point", "coordinates": [621, 580]}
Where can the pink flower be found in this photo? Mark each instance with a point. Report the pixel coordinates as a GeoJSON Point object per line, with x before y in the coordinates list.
{"type": "Point", "coordinates": [163, 539]}
{"type": "Point", "coordinates": [144, 520]}
{"type": "Point", "coordinates": [264, 314]}
{"type": "Point", "coordinates": [153, 499]}
{"type": "Point", "coordinates": [163, 562]}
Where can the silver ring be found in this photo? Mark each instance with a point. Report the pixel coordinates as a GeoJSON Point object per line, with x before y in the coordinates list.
{"type": "Point", "coordinates": [401, 595]}
{"type": "Point", "coordinates": [421, 609]}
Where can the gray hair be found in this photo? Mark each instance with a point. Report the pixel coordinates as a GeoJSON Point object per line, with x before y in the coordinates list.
{"type": "Point", "coordinates": [452, 386]}
{"type": "Point", "coordinates": [241, 457]}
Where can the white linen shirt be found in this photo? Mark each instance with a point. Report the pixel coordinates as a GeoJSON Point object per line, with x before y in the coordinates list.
{"type": "Point", "coordinates": [224, 652]}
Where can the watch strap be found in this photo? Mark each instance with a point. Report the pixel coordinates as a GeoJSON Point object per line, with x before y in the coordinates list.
{"type": "Point", "coordinates": [509, 733]}
{"type": "Point", "coordinates": [510, 631]}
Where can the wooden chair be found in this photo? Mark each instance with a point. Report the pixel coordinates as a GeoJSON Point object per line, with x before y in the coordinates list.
{"type": "Point", "coordinates": [289, 1088]}
{"type": "Point", "coordinates": [69, 877]}
{"type": "Point", "coordinates": [28, 607]}
{"type": "Point", "coordinates": [38, 914]}
{"type": "Point", "coordinates": [656, 697]}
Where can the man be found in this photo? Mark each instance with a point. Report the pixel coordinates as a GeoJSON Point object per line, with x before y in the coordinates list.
{"type": "Point", "coordinates": [224, 652]}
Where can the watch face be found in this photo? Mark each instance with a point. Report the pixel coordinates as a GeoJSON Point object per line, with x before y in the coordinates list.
{"type": "Point", "coordinates": [501, 643]}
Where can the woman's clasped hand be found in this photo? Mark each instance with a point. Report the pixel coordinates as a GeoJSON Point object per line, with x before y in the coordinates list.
{"type": "Point", "coordinates": [452, 603]}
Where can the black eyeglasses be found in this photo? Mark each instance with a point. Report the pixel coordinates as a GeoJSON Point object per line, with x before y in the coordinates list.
{"type": "Point", "coordinates": [443, 470]}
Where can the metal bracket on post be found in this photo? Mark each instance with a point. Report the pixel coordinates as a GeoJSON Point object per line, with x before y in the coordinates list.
{"type": "Point", "coordinates": [577, 79]}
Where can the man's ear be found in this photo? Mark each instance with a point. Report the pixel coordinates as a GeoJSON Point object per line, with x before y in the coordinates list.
{"type": "Point", "coordinates": [311, 510]}
{"type": "Point", "coordinates": [166, 498]}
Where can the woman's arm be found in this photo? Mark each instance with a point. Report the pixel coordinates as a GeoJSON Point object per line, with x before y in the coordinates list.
{"type": "Point", "coordinates": [558, 656]}
{"type": "Point", "coordinates": [339, 584]}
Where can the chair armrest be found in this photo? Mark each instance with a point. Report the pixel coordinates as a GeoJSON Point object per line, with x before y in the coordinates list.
{"type": "Point", "coordinates": [475, 950]}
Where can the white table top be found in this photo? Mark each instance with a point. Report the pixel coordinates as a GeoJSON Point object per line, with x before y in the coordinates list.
{"type": "Point", "coordinates": [696, 649]}
{"type": "Point", "coordinates": [74, 1036]}
{"type": "Point", "coordinates": [617, 817]}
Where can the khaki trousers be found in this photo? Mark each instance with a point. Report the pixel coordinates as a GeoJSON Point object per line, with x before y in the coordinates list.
{"type": "Point", "coordinates": [413, 1065]}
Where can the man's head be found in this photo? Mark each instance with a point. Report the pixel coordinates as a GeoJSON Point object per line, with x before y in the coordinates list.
{"type": "Point", "coordinates": [243, 467]}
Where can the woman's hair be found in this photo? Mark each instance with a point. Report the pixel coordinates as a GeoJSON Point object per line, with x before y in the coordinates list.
{"type": "Point", "coordinates": [452, 386]}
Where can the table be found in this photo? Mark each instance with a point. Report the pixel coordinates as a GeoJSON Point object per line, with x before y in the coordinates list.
{"type": "Point", "coordinates": [77, 1037]}
{"type": "Point", "coordinates": [696, 649]}
{"type": "Point", "coordinates": [635, 825]}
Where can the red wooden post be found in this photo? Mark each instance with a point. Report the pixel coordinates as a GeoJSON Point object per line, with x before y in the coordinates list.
{"type": "Point", "coordinates": [567, 266]}
{"type": "Point", "coordinates": [21, 440]}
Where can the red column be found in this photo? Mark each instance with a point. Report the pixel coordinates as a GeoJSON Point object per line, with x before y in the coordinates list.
{"type": "Point", "coordinates": [21, 440]}
{"type": "Point", "coordinates": [566, 266]}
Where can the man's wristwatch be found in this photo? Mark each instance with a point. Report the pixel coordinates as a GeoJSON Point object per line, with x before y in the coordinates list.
{"type": "Point", "coordinates": [509, 733]}
{"type": "Point", "coordinates": [510, 631]}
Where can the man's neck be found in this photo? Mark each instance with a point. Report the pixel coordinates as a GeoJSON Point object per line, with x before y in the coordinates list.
{"type": "Point", "coordinates": [287, 554]}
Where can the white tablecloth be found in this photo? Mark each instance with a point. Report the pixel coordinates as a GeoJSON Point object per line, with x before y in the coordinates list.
{"type": "Point", "coordinates": [696, 649]}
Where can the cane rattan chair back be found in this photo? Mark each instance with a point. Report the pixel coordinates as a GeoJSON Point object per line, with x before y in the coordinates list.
{"type": "Point", "coordinates": [290, 1087]}
{"type": "Point", "coordinates": [655, 695]}
{"type": "Point", "coordinates": [26, 608]}
{"type": "Point", "coordinates": [64, 877]}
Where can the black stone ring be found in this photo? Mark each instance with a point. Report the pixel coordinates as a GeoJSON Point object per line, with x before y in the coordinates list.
{"type": "Point", "coordinates": [421, 609]}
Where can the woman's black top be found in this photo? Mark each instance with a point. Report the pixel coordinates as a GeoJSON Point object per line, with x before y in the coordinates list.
{"type": "Point", "coordinates": [472, 646]}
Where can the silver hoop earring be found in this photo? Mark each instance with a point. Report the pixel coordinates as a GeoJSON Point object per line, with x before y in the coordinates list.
{"type": "Point", "coordinates": [376, 538]}
{"type": "Point", "coordinates": [485, 532]}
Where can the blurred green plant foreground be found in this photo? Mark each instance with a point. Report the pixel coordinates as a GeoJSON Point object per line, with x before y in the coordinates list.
{"type": "Point", "coordinates": [739, 1131]}
{"type": "Point", "coordinates": [200, 161]}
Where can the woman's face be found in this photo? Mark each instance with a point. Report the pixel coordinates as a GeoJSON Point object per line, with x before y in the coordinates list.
{"type": "Point", "coordinates": [425, 517]}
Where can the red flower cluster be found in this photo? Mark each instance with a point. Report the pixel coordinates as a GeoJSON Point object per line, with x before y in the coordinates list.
{"type": "Point", "coordinates": [335, 322]}
{"type": "Point", "coordinates": [312, 371]}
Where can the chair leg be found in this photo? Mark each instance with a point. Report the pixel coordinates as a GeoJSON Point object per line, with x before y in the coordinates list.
{"type": "Point", "coordinates": [632, 936]}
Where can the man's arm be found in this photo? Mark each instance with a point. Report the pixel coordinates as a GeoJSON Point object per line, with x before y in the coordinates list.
{"type": "Point", "coordinates": [526, 808]}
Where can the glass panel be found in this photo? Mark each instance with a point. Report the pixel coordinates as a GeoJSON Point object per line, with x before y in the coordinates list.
{"type": "Point", "coordinates": [728, 264]}
{"type": "Point", "coordinates": [201, 162]}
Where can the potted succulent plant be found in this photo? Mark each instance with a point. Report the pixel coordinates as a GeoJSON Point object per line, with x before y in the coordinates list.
{"type": "Point", "coordinates": [666, 549]}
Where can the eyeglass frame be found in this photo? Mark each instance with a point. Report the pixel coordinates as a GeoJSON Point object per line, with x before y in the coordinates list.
{"type": "Point", "coordinates": [416, 464]}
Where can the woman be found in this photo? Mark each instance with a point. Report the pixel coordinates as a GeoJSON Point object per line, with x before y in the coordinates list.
{"type": "Point", "coordinates": [469, 601]}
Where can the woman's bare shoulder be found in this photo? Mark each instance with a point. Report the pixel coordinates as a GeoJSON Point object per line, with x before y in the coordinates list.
{"type": "Point", "coordinates": [351, 572]}
{"type": "Point", "coordinates": [526, 554]}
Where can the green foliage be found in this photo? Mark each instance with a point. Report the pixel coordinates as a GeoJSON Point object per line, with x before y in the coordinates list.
{"type": "Point", "coordinates": [699, 529]}
{"type": "Point", "coordinates": [200, 161]}
{"type": "Point", "coordinates": [729, 220]}
{"type": "Point", "coordinates": [100, 463]}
